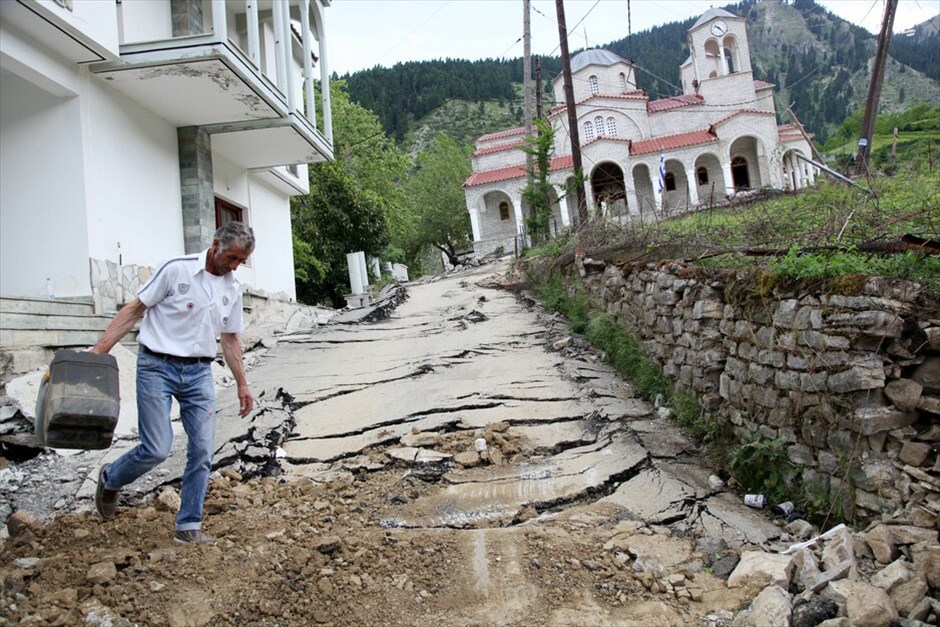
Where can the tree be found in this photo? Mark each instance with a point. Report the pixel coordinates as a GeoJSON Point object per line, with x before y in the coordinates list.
{"type": "Point", "coordinates": [538, 193]}
{"type": "Point", "coordinates": [353, 203]}
{"type": "Point", "coordinates": [334, 219]}
{"type": "Point", "coordinates": [438, 206]}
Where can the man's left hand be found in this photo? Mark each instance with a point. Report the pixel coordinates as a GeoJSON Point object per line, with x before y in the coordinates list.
{"type": "Point", "coordinates": [245, 400]}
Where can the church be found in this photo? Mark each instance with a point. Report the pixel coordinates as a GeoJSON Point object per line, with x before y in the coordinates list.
{"type": "Point", "coordinates": [642, 158]}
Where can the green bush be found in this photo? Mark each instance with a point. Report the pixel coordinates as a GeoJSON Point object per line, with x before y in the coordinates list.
{"type": "Point", "coordinates": [761, 466]}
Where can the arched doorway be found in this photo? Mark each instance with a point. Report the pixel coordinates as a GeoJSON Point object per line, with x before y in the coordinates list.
{"type": "Point", "coordinates": [608, 190]}
{"type": "Point", "coordinates": [739, 173]}
{"type": "Point", "coordinates": [709, 180]}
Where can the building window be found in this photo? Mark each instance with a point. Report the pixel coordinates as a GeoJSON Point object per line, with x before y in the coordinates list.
{"type": "Point", "coordinates": [599, 125]}
{"type": "Point", "coordinates": [504, 211]}
{"type": "Point", "coordinates": [595, 87]}
{"type": "Point", "coordinates": [702, 174]}
{"type": "Point", "coordinates": [623, 83]}
{"type": "Point", "coordinates": [612, 127]}
{"type": "Point", "coordinates": [226, 212]}
{"type": "Point", "coordinates": [670, 182]}
{"type": "Point", "coordinates": [588, 131]}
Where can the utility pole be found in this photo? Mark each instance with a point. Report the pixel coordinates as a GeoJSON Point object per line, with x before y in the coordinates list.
{"type": "Point", "coordinates": [527, 83]}
{"type": "Point", "coordinates": [874, 87]}
{"type": "Point", "coordinates": [572, 114]}
{"type": "Point", "coordinates": [538, 87]}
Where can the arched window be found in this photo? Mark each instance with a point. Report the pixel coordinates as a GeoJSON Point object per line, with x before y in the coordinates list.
{"type": "Point", "coordinates": [701, 173]}
{"type": "Point", "coordinates": [588, 131]}
{"type": "Point", "coordinates": [670, 180]}
{"type": "Point", "coordinates": [503, 211]}
{"type": "Point", "coordinates": [595, 87]}
{"type": "Point", "coordinates": [623, 83]}
{"type": "Point", "coordinates": [713, 74]}
{"type": "Point", "coordinates": [730, 59]}
{"type": "Point", "coordinates": [599, 126]}
{"type": "Point", "coordinates": [611, 127]}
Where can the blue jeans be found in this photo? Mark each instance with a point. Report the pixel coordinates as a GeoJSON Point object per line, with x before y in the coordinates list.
{"type": "Point", "coordinates": [158, 380]}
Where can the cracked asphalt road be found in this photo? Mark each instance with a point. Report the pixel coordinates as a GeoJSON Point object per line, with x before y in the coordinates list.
{"type": "Point", "coordinates": [584, 508]}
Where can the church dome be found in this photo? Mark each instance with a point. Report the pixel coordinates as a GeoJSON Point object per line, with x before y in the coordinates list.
{"type": "Point", "coordinates": [595, 56]}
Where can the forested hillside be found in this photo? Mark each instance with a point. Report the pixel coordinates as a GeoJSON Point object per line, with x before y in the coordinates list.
{"type": "Point", "coordinates": [817, 61]}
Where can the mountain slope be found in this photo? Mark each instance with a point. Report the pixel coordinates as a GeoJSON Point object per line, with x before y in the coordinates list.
{"type": "Point", "coordinates": [819, 63]}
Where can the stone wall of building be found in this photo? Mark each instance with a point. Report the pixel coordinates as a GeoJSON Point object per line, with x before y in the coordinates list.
{"type": "Point", "coordinates": [846, 374]}
{"type": "Point", "coordinates": [113, 285]}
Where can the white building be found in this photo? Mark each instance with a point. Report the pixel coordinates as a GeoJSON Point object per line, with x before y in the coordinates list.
{"type": "Point", "coordinates": [130, 130]}
{"type": "Point", "coordinates": [718, 138]}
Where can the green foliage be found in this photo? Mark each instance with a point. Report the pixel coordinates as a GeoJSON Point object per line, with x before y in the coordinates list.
{"type": "Point", "coordinates": [334, 219]}
{"type": "Point", "coordinates": [919, 122]}
{"type": "Point", "coordinates": [306, 264]}
{"type": "Point", "coordinates": [553, 247]}
{"type": "Point", "coordinates": [437, 214]}
{"type": "Point", "coordinates": [761, 466]}
{"type": "Point", "coordinates": [538, 193]}
{"type": "Point", "coordinates": [910, 265]}
{"type": "Point", "coordinates": [353, 203]}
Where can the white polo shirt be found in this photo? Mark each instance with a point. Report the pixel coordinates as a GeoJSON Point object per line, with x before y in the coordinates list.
{"type": "Point", "coordinates": [188, 308]}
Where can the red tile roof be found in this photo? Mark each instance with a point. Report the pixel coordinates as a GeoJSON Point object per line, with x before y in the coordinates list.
{"type": "Point", "coordinates": [671, 142]}
{"type": "Point", "coordinates": [762, 84]}
{"type": "Point", "coordinates": [556, 110]}
{"type": "Point", "coordinates": [502, 134]}
{"type": "Point", "coordinates": [513, 172]}
{"type": "Point", "coordinates": [500, 148]}
{"type": "Point", "coordinates": [674, 103]}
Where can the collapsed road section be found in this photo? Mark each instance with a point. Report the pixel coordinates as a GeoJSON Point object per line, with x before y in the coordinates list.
{"type": "Point", "coordinates": [458, 459]}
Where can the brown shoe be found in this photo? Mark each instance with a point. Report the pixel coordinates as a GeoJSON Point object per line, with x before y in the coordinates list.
{"type": "Point", "coordinates": [193, 536]}
{"type": "Point", "coordinates": [105, 499]}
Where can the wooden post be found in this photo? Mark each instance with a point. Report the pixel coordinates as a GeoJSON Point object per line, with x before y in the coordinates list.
{"type": "Point", "coordinates": [572, 113]}
{"type": "Point", "coordinates": [874, 87]}
{"type": "Point", "coordinates": [527, 84]}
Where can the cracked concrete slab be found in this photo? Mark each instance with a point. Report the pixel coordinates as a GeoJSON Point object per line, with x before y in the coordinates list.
{"type": "Point", "coordinates": [456, 362]}
{"type": "Point", "coordinates": [499, 494]}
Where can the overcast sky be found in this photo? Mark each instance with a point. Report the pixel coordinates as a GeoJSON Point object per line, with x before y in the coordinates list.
{"type": "Point", "coordinates": [365, 33]}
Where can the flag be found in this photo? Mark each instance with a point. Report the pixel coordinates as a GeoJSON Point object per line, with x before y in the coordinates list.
{"type": "Point", "coordinates": [662, 172]}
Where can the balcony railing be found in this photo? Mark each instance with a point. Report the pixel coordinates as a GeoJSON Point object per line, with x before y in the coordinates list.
{"type": "Point", "coordinates": [274, 39]}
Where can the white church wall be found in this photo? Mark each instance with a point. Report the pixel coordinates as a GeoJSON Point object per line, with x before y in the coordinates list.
{"type": "Point", "coordinates": [735, 90]}
{"type": "Point", "coordinates": [499, 159]}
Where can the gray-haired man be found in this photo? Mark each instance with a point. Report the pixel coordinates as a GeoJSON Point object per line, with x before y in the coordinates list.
{"type": "Point", "coordinates": [186, 304]}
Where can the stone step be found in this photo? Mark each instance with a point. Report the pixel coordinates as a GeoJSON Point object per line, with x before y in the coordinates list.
{"type": "Point", "coordinates": [48, 338]}
{"type": "Point", "coordinates": [47, 307]}
{"type": "Point", "coordinates": [58, 322]}
{"type": "Point", "coordinates": [50, 323]}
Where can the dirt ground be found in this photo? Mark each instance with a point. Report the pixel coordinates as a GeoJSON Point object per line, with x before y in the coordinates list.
{"type": "Point", "coordinates": [299, 553]}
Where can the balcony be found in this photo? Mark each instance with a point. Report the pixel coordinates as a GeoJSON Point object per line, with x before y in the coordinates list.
{"type": "Point", "coordinates": [242, 69]}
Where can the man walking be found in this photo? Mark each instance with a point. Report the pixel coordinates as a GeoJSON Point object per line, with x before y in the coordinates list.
{"type": "Point", "coordinates": [186, 304]}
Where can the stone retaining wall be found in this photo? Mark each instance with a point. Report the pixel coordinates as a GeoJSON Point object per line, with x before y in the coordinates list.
{"type": "Point", "coordinates": [851, 383]}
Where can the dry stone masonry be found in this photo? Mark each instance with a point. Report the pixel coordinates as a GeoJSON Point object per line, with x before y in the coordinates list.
{"type": "Point", "coordinates": [846, 374]}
